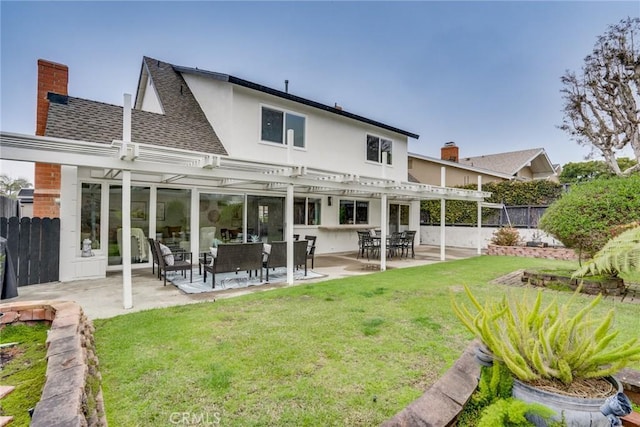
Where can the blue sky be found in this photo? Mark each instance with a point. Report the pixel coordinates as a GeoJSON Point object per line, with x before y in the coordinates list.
{"type": "Point", "coordinates": [483, 74]}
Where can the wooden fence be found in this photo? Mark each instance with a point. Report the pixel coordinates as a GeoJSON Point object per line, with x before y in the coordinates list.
{"type": "Point", "coordinates": [34, 248]}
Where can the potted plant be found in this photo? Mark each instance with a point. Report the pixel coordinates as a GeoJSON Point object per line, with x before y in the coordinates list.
{"type": "Point", "coordinates": [553, 351]}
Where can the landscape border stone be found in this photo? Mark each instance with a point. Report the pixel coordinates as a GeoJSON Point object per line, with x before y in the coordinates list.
{"type": "Point", "coordinates": [72, 395]}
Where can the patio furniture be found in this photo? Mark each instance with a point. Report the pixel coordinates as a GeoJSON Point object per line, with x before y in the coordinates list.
{"type": "Point", "coordinates": [277, 257]}
{"type": "Point", "coordinates": [364, 243]}
{"type": "Point", "coordinates": [408, 242]}
{"type": "Point", "coordinates": [234, 257]}
{"type": "Point", "coordinates": [154, 255]}
{"type": "Point", "coordinates": [311, 248]}
{"type": "Point", "coordinates": [395, 244]}
{"type": "Point", "coordinates": [167, 262]}
{"type": "Point", "coordinates": [138, 245]}
{"type": "Point", "coordinates": [207, 236]}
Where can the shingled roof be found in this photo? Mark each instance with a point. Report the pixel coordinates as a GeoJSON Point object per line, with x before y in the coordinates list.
{"type": "Point", "coordinates": [183, 124]}
{"type": "Point", "coordinates": [508, 163]}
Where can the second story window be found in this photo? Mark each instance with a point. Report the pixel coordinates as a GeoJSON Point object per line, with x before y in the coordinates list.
{"type": "Point", "coordinates": [376, 146]}
{"type": "Point", "coordinates": [276, 123]}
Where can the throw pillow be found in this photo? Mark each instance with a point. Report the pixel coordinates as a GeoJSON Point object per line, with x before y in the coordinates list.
{"type": "Point", "coordinates": [266, 250]}
{"type": "Point", "coordinates": [214, 254]}
{"type": "Point", "coordinates": [372, 232]}
{"type": "Point", "coordinates": [166, 254]}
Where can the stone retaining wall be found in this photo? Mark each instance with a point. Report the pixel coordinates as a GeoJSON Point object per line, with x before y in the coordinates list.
{"type": "Point", "coordinates": [72, 395]}
{"type": "Point", "coordinates": [533, 252]}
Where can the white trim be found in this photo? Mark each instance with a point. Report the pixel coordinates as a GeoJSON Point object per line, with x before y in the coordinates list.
{"type": "Point", "coordinates": [153, 162]}
{"type": "Point", "coordinates": [284, 112]}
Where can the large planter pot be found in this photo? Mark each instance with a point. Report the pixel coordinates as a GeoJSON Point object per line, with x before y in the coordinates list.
{"type": "Point", "coordinates": [574, 411]}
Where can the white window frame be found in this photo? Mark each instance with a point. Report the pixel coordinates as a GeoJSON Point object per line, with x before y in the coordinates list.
{"type": "Point", "coordinates": [355, 210]}
{"type": "Point", "coordinates": [283, 142]}
{"type": "Point", "coordinates": [307, 200]}
{"type": "Point", "coordinates": [380, 139]}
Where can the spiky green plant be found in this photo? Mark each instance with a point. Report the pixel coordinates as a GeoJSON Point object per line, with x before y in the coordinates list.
{"type": "Point", "coordinates": [620, 255]}
{"type": "Point", "coordinates": [550, 342]}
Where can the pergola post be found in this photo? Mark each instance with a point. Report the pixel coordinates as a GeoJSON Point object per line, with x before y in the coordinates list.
{"type": "Point", "coordinates": [479, 217]}
{"type": "Point", "coordinates": [127, 289]}
{"type": "Point", "coordinates": [443, 179]}
{"type": "Point", "coordinates": [289, 214]}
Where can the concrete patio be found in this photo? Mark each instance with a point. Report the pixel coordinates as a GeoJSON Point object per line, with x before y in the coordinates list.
{"type": "Point", "coordinates": [103, 298]}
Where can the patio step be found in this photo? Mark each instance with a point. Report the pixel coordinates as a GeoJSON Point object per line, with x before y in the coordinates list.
{"type": "Point", "coordinates": [4, 391]}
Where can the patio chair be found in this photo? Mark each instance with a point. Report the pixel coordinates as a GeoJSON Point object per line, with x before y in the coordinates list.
{"type": "Point", "coordinates": [408, 242]}
{"type": "Point", "coordinates": [166, 263]}
{"type": "Point", "coordinates": [362, 239]}
{"type": "Point", "coordinates": [311, 248]}
{"type": "Point", "coordinates": [234, 257]}
{"type": "Point", "coordinates": [277, 257]}
{"type": "Point", "coordinates": [395, 244]}
{"type": "Point", "coordinates": [369, 245]}
{"type": "Point", "coordinates": [154, 254]}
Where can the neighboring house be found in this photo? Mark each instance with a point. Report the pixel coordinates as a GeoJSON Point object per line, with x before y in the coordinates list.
{"type": "Point", "coordinates": [204, 157]}
{"type": "Point", "coordinates": [523, 165]}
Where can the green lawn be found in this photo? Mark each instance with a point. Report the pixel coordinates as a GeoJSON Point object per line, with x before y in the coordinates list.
{"type": "Point", "coordinates": [26, 370]}
{"type": "Point", "coordinates": [352, 351]}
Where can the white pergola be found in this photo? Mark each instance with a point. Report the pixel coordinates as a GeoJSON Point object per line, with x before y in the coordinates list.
{"type": "Point", "coordinates": [145, 163]}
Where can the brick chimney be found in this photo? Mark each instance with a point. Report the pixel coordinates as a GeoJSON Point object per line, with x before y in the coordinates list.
{"type": "Point", "coordinates": [449, 152]}
{"type": "Point", "coordinates": [52, 77]}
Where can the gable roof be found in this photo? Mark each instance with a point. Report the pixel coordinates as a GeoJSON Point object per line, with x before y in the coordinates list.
{"type": "Point", "coordinates": [260, 88]}
{"type": "Point", "coordinates": [512, 162]}
{"type": "Point", "coordinates": [457, 165]}
{"type": "Point", "coordinates": [183, 124]}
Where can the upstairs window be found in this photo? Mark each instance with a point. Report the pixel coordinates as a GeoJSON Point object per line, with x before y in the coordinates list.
{"type": "Point", "coordinates": [376, 146]}
{"type": "Point", "coordinates": [276, 123]}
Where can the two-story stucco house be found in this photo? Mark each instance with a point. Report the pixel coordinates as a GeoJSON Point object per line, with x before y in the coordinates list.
{"type": "Point", "coordinates": [201, 157]}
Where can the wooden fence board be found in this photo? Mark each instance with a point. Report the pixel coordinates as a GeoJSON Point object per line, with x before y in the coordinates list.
{"type": "Point", "coordinates": [55, 254]}
{"type": "Point", "coordinates": [34, 245]}
{"type": "Point", "coordinates": [34, 251]}
{"type": "Point", "coordinates": [24, 238]}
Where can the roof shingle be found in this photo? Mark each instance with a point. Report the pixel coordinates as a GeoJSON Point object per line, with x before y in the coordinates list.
{"type": "Point", "coordinates": [183, 125]}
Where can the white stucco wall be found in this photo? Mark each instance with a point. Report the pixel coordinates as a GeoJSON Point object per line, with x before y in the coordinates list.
{"type": "Point", "coordinates": [331, 142]}
{"type": "Point", "coordinates": [466, 237]}
{"type": "Point", "coordinates": [150, 101]}
{"type": "Point", "coordinates": [215, 99]}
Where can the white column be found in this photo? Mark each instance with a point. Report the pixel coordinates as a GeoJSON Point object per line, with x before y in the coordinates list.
{"type": "Point", "coordinates": [384, 230]}
{"type": "Point", "coordinates": [443, 180]}
{"type": "Point", "coordinates": [479, 217]}
{"type": "Point", "coordinates": [384, 223]}
{"type": "Point", "coordinates": [289, 214]}
{"type": "Point", "coordinates": [194, 225]}
{"type": "Point", "coordinates": [127, 290]}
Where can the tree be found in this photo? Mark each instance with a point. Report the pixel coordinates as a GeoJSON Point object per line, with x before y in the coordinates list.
{"type": "Point", "coordinates": [577, 172]}
{"type": "Point", "coordinates": [10, 187]}
{"type": "Point", "coordinates": [601, 104]}
{"type": "Point", "coordinates": [588, 215]}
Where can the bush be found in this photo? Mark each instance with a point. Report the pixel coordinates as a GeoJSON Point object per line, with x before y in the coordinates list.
{"type": "Point", "coordinates": [584, 218]}
{"type": "Point", "coordinates": [506, 236]}
{"type": "Point", "coordinates": [511, 193]}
